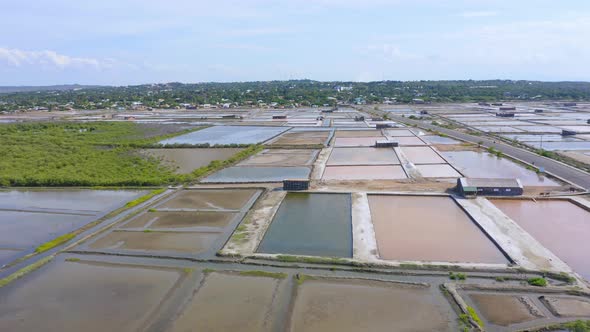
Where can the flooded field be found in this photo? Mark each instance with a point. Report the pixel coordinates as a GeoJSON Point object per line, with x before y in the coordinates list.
{"type": "Point", "coordinates": [485, 165]}
{"type": "Point", "coordinates": [229, 302]}
{"type": "Point", "coordinates": [552, 146]}
{"type": "Point", "coordinates": [405, 230]}
{"type": "Point", "coordinates": [564, 306]}
{"type": "Point", "coordinates": [304, 226]}
{"type": "Point", "coordinates": [422, 155]}
{"type": "Point", "coordinates": [407, 141]}
{"type": "Point", "coordinates": [398, 132]}
{"type": "Point", "coordinates": [186, 160]}
{"type": "Point", "coordinates": [30, 218]}
{"type": "Point", "coordinates": [363, 156]}
{"type": "Point", "coordinates": [434, 139]}
{"type": "Point", "coordinates": [505, 310]}
{"type": "Point", "coordinates": [281, 157]}
{"type": "Point", "coordinates": [358, 133]}
{"type": "Point", "coordinates": [302, 138]}
{"type": "Point", "coordinates": [213, 199]}
{"type": "Point", "coordinates": [181, 219]}
{"type": "Point", "coordinates": [560, 226]}
{"type": "Point", "coordinates": [437, 171]}
{"type": "Point", "coordinates": [225, 135]}
{"type": "Point", "coordinates": [356, 141]}
{"type": "Point", "coordinates": [363, 305]}
{"type": "Point", "coordinates": [245, 174]}
{"type": "Point", "coordinates": [174, 242]}
{"type": "Point", "coordinates": [377, 172]}
{"type": "Point", "coordinates": [86, 296]}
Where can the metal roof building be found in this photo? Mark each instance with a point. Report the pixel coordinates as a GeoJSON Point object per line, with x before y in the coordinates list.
{"type": "Point", "coordinates": [489, 187]}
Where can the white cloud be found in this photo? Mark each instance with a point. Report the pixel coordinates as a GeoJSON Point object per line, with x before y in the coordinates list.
{"type": "Point", "coordinates": [17, 58]}
{"type": "Point", "coordinates": [476, 14]}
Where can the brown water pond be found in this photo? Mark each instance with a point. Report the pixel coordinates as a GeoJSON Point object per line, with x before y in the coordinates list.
{"type": "Point", "coordinates": [560, 226]}
{"type": "Point", "coordinates": [80, 296]}
{"type": "Point", "coordinates": [505, 310]}
{"type": "Point", "coordinates": [229, 302]}
{"type": "Point", "coordinates": [428, 228]}
{"type": "Point", "coordinates": [362, 305]}
{"type": "Point", "coordinates": [182, 242]}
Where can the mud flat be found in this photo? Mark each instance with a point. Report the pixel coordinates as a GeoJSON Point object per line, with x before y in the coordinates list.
{"type": "Point", "coordinates": [214, 199]}
{"type": "Point", "coordinates": [485, 165]}
{"type": "Point", "coordinates": [181, 220]}
{"type": "Point", "coordinates": [376, 172]}
{"type": "Point", "coordinates": [399, 132]}
{"type": "Point", "coordinates": [281, 157]}
{"type": "Point", "coordinates": [362, 305]}
{"type": "Point", "coordinates": [247, 174]}
{"type": "Point", "coordinates": [435, 139]}
{"type": "Point", "coordinates": [560, 226]}
{"type": "Point", "coordinates": [302, 138]}
{"type": "Point", "coordinates": [229, 302]}
{"type": "Point", "coordinates": [505, 310]}
{"type": "Point", "coordinates": [428, 228]}
{"type": "Point", "coordinates": [175, 242]}
{"type": "Point", "coordinates": [358, 133]}
{"type": "Point", "coordinates": [356, 141]}
{"type": "Point", "coordinates": [437, 171]}
{"type": "Point", "coordinates": [225, 135]}
{"type": "Point", "coordinates": [304, 225]}
{"type": "Point", "coordinates": [422, 155]}
{"type": "Point", "coordinates": [85, 296]}
{"type": "Point", "coordinates": [187, 160]}
{"type": "Point", "coordinates": [363, 156]}
{"type": "Point", "coordinates": [408, 141]}
{"type": "Point", "coordinates": [563, 306]}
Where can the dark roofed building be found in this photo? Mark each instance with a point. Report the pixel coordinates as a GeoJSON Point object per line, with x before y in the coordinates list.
{"type": "Point", "coordinates": [489, 187]}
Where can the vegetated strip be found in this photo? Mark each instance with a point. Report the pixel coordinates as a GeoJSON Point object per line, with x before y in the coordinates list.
{"type": "Point", "coordinates": [27, 269]}
{"type": "Point", "coordinates": [55, 242]}
{"type": "Point", "coordinates": [276, 275]}
{"type": "Point", "coordinates": [144, 198]}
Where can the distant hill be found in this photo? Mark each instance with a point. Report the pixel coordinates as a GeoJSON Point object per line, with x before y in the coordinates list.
{"type": "Point", "coordinates": [10, 89]}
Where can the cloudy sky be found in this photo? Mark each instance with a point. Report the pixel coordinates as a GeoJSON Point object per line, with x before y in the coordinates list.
{"type": "Point", "coordinates": [119, 42]}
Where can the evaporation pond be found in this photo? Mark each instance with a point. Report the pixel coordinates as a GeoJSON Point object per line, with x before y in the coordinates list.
{"type": "Point", "coordinates": [30, 218]}
{"type": "Point", "coordinates": [427, 228]}
{"type": "Point", "coordinates": [364, 305]}
{"type": "Point", "coordinates": [311, 224]}
{"type": "Point", "coordinates": [560, 226]}
{"type": "Point", "coordinates": [504, 310]}
{"type": "Point", "coordinates": [229, 302]}
{"type": "Point", "coordinates": [484, 165]}
{"type": "Point", "coordinates": [186, 160]}
{"type": "Point", "coordinates": [422, 155]}
{"type": "Point", "coordinates": [81, 296]}
{"type": "Point", "coordinates": [242, 174]}
{"type": "Point", "coordinates": [363, 156]}
{"type": "Point", "coordinates": [176, 242]}
{"type": "Point", "coordinates": [210, 199]}
{"type": "Point", "coordinates": [224, 135]}
{"type": "Point", "coordinates": [373, 172]}
{"type": "Point", "coordinates": [181, 220]}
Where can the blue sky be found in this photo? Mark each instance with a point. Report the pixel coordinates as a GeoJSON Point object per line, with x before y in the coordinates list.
{"type": "Point", "coordinates": [119, 42]}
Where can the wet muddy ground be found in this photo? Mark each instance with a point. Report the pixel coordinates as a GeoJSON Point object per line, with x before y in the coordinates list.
{"type": "Point", "coordinates": [376, 172]}
{"type": "Point", "coordinates": [249, 174]}
{"type": "Point", "coordinates": [355, 305]}
{"type": "Point", "coordinates": [559, 225]}
{"type": "Point", "coordinates": [406, 230]}
{"type": "Point", "coordinates": [282, 157]}
{"type": "Point", "coordinates": [363, 156]}
{"type": "Point", "coordinates": [216, 199]}
{"type": "Point", "coordinates": [302, 138]}
{"type": "Point", "coordinates": [86, 296]}
{"type": "Point", "coordinates": [356, 141]}
{"type": "Point", "coordinates": [186, 160]}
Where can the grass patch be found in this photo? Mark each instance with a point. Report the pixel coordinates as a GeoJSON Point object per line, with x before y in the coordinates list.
{"type": "Point", "coordinates": [147, 231]}
{"type": "Point", "coordinates": [578, 326]}
{"type": "Point", "coordinates": [188, 270]}
{"type": "Point", "coordinates": [152, 210]}
{"type": "Point", "coordinates": [144, 198]}
{"type": "Point", "coordinates": [538, 281]}
{"type": "Point", "coordinates": [312, 260]}
{"type": "Point", "coordinates": [473, 315]}
{"type": "Point", "coordinates": [72, 259]}
{"type": "Point", "coordinates": [275, 275]}
{"type": "Point", "coordinates": [208, 270]}
{"type": "Point", "coordinates": [457, 276]}
{"type": "Point", "coordinates": [409, 266]}
{"type": "Point", "coordinates": [22, 272]}
{"type": "Point", "coordinates": [500, 279]}
{"type": "Point", "coordinates": [54, 243]}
